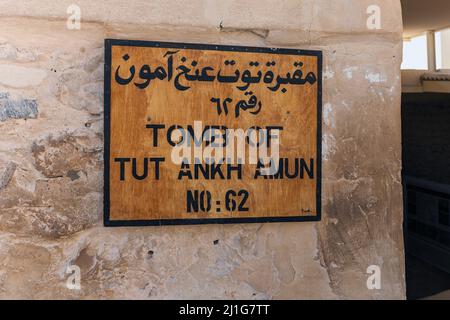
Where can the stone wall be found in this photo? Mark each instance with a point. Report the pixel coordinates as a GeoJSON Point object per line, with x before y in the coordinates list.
{"type": "Point", "coordinates": [51, 141]}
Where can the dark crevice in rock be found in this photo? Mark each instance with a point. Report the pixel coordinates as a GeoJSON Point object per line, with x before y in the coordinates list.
{"type": "Point", "coordinates": [7, 174]}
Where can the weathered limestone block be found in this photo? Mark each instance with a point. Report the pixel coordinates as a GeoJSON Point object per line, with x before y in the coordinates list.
{"type": "Point", "coordinates": [252, 262]}
{"type": "Point", "coordinates": [67, 198]}
{"type": "Point", "coordinates": [69, 154]}
{"type": "Point", "coordinates": [51, 157]}
{"type": "Point", "coordinates": [298, 15]}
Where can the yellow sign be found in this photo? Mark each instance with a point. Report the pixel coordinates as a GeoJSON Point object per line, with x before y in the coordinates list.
{"type": "Point", "coordinates": [198, 133]}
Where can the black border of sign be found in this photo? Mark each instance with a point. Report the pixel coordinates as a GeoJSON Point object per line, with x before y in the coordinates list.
{"type": "Point", "coordinates": [174, 45]}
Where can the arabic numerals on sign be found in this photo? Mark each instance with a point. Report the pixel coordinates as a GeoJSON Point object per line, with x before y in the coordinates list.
{"type": "Point", "coordinates": [202, 201]}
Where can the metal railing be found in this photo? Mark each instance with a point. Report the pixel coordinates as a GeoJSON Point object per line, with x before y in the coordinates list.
{"type": "Point", "coordinates": [427, 221]}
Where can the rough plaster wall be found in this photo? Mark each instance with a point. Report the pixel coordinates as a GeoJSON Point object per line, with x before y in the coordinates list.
{"type": "Point", "coordinates": [51, 79]}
